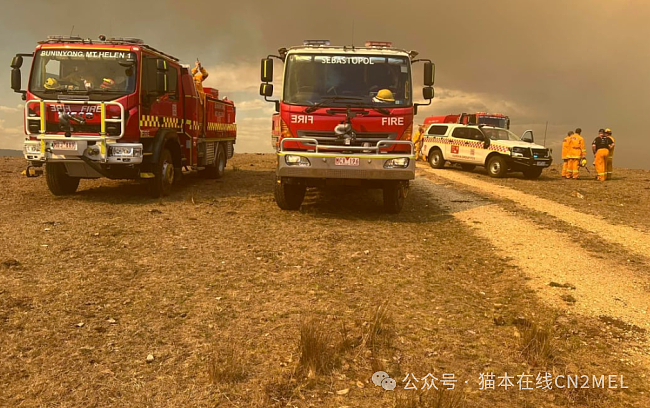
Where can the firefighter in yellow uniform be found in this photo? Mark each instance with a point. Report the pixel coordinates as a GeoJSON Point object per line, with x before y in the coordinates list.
{"type": "Point", "coordinates": [575, 154]}
{"type": "Point", "coordinates": [417, 141]}
{"type": "Point", "coordinates": [565, 152]}
{"type": "Point", "coordinates": [199, 74]}
{"type": "Point", "coordinates": [601, 147]}
{"type": "Point", "coordinates": [610, 158]}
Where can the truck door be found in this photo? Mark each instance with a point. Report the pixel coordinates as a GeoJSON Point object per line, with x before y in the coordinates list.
{"type": "Point", "coordinates": [191, 123]}
{"type": "Point", "coordinates": [460, 138]}
{"type": "Point", "coordinates": [159, 109]}
{"type": "Point", "coordinates": [481, 151]}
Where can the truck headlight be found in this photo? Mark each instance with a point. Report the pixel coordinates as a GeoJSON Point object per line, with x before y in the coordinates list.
{"type": "Point", "coordinates": [124, 151]}
{"type": "Point", "coordinates": [294, 160]}
{"type": "Point", "coordinates": [32, 148]}
{"type": "Point", "coordinates": [519, 151]}
{"type": "Point", "coordinates": [398, 163]}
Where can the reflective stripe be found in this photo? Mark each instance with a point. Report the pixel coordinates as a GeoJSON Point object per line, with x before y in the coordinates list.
{"type": "Point", "coordinates": [465, 143]}
{"type": "Point", "coordinates": [160, 121]}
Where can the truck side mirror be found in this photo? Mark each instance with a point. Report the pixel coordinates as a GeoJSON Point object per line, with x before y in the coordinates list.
{"type": "Point", "coordinates": [16, 80]}
{"type": "Point", "coordinates": [161, 76]}
{"type": "Point", "coordinates": [427, 92]}
{"type": "Point", "coordinates": [266, 90]}
{"type": "Point", "coordinates": [17, 62]}
{"type": "Point", "coordinates": [528, 137]}
{"type": "Point", "coordinates": [429, 74]}
{"type": "Point", "coordinates": [267, 70]}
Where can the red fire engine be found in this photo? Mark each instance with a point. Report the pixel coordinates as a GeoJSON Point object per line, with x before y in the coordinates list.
{"type": "Point", "coordinates": [119, 108]}
{"type": "Point", "coordinates": [345, 117]}
{"type": "Point", "coordinates": [479, 118]}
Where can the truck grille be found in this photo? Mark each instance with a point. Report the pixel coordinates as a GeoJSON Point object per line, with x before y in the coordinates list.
{"type": "Point", "coordinates": [113, 129]}
{"type": "Point", "coordinates": [540, 153]}
{"type": "Point", "coordinates": [329, 138]}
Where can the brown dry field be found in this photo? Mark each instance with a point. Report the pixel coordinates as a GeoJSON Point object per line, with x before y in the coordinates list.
{"type": "Point", "coordinates": [216, 283]}
{"type": "Point", "coordinates": [625, 199]}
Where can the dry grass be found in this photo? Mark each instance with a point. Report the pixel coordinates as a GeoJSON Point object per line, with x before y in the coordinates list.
{"type": "Point", "coordinates": [317, 354]}
{"type": "Point", "coordinates": [440, 398]}
{"type": "Point", "coordinates": [380, 331]}
{"type": "Point", "coordinates": [536, 341]}
{"type": "Point", "coordinates": [228, 364]}
{"type": "Point", "coordinates": [172, 291]}
{"type": "Point", "coordinates": [586, 397]}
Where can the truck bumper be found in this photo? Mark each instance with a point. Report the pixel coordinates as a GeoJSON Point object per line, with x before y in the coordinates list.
{"type": "Point", "coordinates": [87, 158]}
{"type": "Point", "coordinates": [528, 162]}
{"type": "Point", "coordinates": [77, 148]}
{"type": "Point", "coordinates": [366, 164]}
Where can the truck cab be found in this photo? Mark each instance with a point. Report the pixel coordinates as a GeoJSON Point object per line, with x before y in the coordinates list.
{"type": "Point", "coordinates": [345, 117]}
{"type": "Point", "coordinates": [499, 150]}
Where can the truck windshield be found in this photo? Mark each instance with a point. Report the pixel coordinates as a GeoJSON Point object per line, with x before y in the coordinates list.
{"type": "Point", "coordinates": [495, 121]}
{"type": "Point", "coordinates": [103, 75]}
{"type": "Point", "coordinates": [500, 134]}
{"type": "Point", "coordinates": [363, 79]}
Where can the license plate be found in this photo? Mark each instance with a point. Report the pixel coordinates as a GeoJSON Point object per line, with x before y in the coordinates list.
{"type": "Point", "coordinates": [62, 145]}
{"type": "Point", "coordinates": [346, 161]}
{"type": "Point", "coordinates": [541, 163]}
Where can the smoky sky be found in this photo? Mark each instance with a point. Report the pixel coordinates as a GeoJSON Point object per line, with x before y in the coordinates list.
{"type": "Point", "coordinates": [571, 63]}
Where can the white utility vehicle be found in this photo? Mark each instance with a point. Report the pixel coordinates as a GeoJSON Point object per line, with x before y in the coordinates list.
{"type": "Point", "coordinates": [499, 150]}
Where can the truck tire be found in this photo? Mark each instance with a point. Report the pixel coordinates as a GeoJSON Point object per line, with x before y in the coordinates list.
{"type": "Point", "coordinates": [289, 196]}
{"type": "Point", "coordinates": [218, 168]}
{"type": "Point", "coordinates": [468, 167]}
{"type": "Point", "coordinates": [165, 174]}
{"type": "Point", "coordinates": [533, 173]}
{"type": "Point", "coordinates": [435, 159]}
{"type": "Point", "coordinates": [497, 167]}
{"type": "Point", "coordinates": [395, 193]}
{"type": "Point", "coordinates": [58, 180]}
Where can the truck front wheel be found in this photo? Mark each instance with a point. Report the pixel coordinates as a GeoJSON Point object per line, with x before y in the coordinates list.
{"type": "Point", "coordinates": [436, 160]}
{"type": "Point", "coordinates": [165, 173]}
{"type": "Point", "coordinates": [289, 196]}
{"type": "Point", "coordinates": [395, 193]}
{"type": "Point", "coordinates": [497, 167]}
{"type": "Point", "coordinates": [58, 180]}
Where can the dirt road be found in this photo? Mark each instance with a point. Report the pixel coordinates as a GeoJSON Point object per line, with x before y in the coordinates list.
{"type": "Point", "coordinates": [228, 296]}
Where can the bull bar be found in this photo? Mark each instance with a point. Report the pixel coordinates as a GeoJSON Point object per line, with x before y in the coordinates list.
{"type": "Point", "coordinates": [45, 147]}
{"type": "Point", "coordinates": [366, 162]}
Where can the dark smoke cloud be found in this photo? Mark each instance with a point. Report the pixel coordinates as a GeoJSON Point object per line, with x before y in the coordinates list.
{"type": "Point", "coordinates": [572, 63]}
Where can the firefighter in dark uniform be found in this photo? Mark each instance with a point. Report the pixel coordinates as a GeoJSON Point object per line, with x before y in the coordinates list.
{"type": "Point", "coordinates": [601, 148]}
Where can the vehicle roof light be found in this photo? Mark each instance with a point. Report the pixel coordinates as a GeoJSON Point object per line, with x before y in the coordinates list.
{"type": "Point", "coordinates": [316, 43]}
{"type": "Point", "coordinates": [379, 44]}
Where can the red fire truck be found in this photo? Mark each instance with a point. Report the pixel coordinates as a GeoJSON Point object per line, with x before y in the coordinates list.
{"type": "Point", "coordinates": [479, 118]}
{"type": "Point", "coordinates": [345, 117]}
{"type": "Point", "coordinates": [121, 109]}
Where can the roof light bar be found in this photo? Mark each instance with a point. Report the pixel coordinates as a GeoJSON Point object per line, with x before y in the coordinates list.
{"type": "Point", "coordinates": [129, 40]}
{"type": "Point", "coordinates": [379, 44]}
{"type": "Point", "coordinates": [316, 43]}
{"type": "Point", "coordinates": [64, 38]}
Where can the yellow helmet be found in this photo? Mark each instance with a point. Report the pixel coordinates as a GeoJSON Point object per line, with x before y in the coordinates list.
{"type": "Point", "coordinates": [385, 95]}
{"type": "Point", "coordinates": [583, 162]}
{"type": "Point", "coordinates": [51, 83]}
{"type": "Point", "coordinates": [608, 130]}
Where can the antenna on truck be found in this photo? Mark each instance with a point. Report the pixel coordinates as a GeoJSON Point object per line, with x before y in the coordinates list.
{"type": "Point", "coordinates": [545, 129]}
